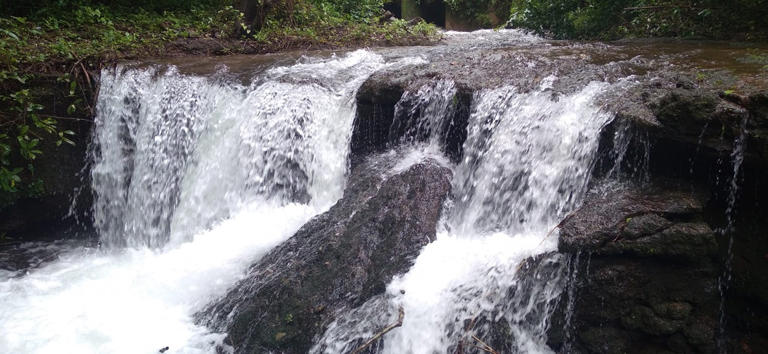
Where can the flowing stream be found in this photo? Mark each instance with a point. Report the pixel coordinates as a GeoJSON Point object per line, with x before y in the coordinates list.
{"type": "Point", "coordinates": [195, 177]}
{"type": "Point", "coordinates": [527, 161]}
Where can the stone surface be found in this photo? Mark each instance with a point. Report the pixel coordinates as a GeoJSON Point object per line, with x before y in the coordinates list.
{"type": "Point", "coordinates": [336, 261]}
{"type": "Point", "coordinates": [641, 222]}
{"type": "Point", "coordinates": [650, 280]}
{"type": "Point", "coordinates": [695, 130]}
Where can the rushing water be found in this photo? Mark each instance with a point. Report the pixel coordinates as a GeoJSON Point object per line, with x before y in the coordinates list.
{"type": "Point", "coordinates": [199, 177]}
{"type": "Point", "coordinates": [196, 177]}
{"type": "Point", "coordinates": [527, 161]}
{"type": "Point", "coordinates": [729, 231]}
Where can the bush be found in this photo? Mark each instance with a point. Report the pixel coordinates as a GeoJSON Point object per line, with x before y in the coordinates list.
{"type": "Point", "coordinates": [609, 19]}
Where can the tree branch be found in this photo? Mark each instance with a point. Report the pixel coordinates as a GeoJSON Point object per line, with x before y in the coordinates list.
{"type": "Point", "coordinates": [400, 315]}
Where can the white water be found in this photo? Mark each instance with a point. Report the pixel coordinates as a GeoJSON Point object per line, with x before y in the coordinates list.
{"type": "Point", "coordinates": [420, 116]}
{"type": "Point", "coordinates": [199, 177]}
{"type": "Point", "coordinates": [137, 300]}
{"type": "Point", "coordinates": [527, 162]}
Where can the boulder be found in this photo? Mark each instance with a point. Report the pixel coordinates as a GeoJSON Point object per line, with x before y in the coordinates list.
{"type": "Point", "coordinates": [683, 128]}
{"type": "Point", "coordinates": [640, 222]}
{"type": "Point", "coordinates": [650, 279]}
{"type": "Point", "coordinates": [337, 261]}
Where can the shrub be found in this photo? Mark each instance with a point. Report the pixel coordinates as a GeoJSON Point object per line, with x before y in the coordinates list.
{"type": "Point", "coordinates": [608, 19]}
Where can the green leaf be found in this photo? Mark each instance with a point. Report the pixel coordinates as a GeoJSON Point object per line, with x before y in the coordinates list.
{"type": "Point", "coordinates": [10, 34]}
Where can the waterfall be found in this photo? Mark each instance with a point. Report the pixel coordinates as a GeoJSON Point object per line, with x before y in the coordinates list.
{"type": "Point", "coordinates": [198, 177]}
{"type": "Point", "coordinates": [527, 161]}
{"type": "Point", "coordinates": [175, 153]}
{"type": "Point", "coordinates": [729, 231]}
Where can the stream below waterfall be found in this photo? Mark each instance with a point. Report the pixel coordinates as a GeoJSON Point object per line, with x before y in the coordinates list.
{"type": "Point", "coordinates": [200, 169]}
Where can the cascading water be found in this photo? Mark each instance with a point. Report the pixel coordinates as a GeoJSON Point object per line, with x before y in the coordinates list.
{"type": "Point", "coordinates": [729, 231]}
{"type": "Point", "coordinates": [420, 116]}
{"type": "Point", "coordinates": [284, 136]}
{"type": "Point", "coordinates": [527, 161]}
{"type": "Point", "coordinates": [199, 177]}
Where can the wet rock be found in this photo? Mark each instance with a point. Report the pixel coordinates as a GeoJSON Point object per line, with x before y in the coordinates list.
{"type": "Point", "coordinates": [686, 131]}
{"type": "Point", "coordinates": [649, 283]}
{"type": "Point", "coordinates": [698, 132]}
{"type": "Point", "coordinates": [336, 261]}
{"type": "Point", "coordinates": [390, 114]}
{"type": "Point", "coordinates": [640, 222]}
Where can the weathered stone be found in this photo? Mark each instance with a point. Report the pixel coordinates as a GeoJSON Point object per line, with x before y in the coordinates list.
{"type": "Point", "coordinates": [605, 340]}
{"type": "Point", "coordinates": [644, 225]}
{"type": "Point", "coordinates": [651, 277]}
{"type": "Point", "coordinates": [379, 125]}
{"type": "Point", "coordinates": [644, 319]}
{"type": "Point", "coordinates": [689, 241]}
{"type": "Point", "coordinates": [631, 221]}
{"type": "Point", "coordinates": [673, 310]}
{"type": "Point", "coordinates": [337, 261]}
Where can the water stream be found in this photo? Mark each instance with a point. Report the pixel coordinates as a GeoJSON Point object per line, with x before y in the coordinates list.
{"type": "Point", "coordinates": [195, 177]}
{"type": "Point", "coordinates": [527, 161]}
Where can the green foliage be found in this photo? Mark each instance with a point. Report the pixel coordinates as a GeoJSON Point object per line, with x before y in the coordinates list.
{"type": "Point", "coordinates": [23, 131]}
{"type": "Point", "coordinates": [608, 19]}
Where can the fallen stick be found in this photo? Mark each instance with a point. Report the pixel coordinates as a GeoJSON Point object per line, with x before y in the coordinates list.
{"type": "Point", "coordinates": [400, 315]}
{"type": "Point", "coordinates": [485, 347]}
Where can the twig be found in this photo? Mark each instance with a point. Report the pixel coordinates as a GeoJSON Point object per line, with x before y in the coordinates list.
{"type": "Point", "coordinates": [400, 315]}
{"type": "Point", "coordinates": [556, 227]}
{"type": "Point", "coordinates": [657, 7]}
{"type": "Point", "coordinates": [485, 347]}
{"type": "Point", "coordinates": [87, 76]}
{"type": "Point", "coordinates": [67, 118]}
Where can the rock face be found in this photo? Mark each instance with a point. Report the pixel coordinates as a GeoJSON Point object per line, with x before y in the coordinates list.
{"type": "Point", "coordinates": [386, 116]}
{"type": "Point", "coordinates": [647, 280]}
{"type": "Point", "coordinates": [337, 261]}
{"type": "Point", "coordinates": [677, 128]}
{"type": "Point", "coordinates": [686, 128]}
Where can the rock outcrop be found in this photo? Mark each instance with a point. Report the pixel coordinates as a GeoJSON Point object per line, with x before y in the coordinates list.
{"type": "Point", "coordinates": [647, 280]}
{"type": "Point", "coordinates": [336, 261]}
{"type": "Point", "coordinates": [692, 131]}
